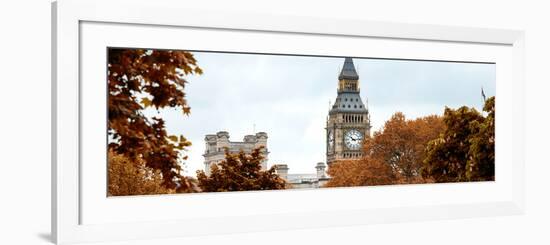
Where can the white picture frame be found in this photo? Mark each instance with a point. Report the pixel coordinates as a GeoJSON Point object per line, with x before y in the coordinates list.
{"type": "Point", "coordinates": [68, 17]}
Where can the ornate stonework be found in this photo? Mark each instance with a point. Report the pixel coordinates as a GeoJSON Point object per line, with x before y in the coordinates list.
{"type": "Point", "coordinates": [216, 144]}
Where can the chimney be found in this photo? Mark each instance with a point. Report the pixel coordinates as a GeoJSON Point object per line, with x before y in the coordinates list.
{"type": "Point", "coordinates": [321, 167]}
{"type": "Point", "coordinates": [282, 170]}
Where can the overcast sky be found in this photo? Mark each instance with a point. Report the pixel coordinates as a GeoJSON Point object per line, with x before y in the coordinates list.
{"type": "Point", "coordinates": [288, 98]}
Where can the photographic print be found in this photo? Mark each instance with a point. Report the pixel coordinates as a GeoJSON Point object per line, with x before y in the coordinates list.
{"type": "Point", "coordinates": [204, 121]}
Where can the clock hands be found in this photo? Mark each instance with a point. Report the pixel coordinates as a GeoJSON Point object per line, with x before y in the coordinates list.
{"type": "Point", "coordinates": [353, 139]}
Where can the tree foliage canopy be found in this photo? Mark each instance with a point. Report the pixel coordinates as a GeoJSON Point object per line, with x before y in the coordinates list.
{"type": "Point", "coordinates": [401, 143]}
{"type": "Point", "coordinates": [128, 177]}
{"type": "Point", "coordinates": [364, 172]}
{"type": "Point", "coordinates": [465, 150]}
{"type": "Point", "coordinates": [138, 79]}
{"type": "Point", "coordinates": [240, 172]}
{"type": "Point", "coordinates": [392, 156]}
{"type": "Point", "coordinates": [481, 163]}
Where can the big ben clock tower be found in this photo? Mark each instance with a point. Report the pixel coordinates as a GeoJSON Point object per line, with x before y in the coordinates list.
{"type": "Point", "coordinates": [348, 121]}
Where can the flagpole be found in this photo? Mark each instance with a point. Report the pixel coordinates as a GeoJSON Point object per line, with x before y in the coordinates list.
{"type": "Point", "coordinates": [484, 98]}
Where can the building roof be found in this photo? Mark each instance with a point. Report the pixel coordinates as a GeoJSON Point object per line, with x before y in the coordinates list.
{"type": "Point", "coordinates": [348, 102]}
{"type": "Point", "coordinates": [301, 178]}
{"type": "Point", "coordinates": [348, 71]}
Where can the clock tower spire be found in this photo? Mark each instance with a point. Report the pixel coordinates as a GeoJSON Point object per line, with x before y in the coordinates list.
{"type": "Point", "coordinates": [348, 122]}
{"type": "Point", "coordinates": [348, 80]}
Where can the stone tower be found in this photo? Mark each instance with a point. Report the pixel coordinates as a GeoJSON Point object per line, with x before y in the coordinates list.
{"type": "Point", "coordinates": [216, 144]}
{"type": "Point", "coordinates": [348, 121]}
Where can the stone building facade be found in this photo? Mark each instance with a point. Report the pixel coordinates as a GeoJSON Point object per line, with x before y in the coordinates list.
{"type": "Point", "coordinates": [216, 144]}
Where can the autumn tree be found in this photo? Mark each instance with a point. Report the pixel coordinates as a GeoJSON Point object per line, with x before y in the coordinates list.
{"type": "Point", "coordinates": [401, 143]}
{"type": "Point", "coordinates": [392, 156]}
{"type": "Point", "coordinates": [240, 172]}
{"type": "Point", "coordinates": [363, 172]}
{"type": "Point", "coordinates": [481, 160]}
{"type": "Point", "coordinates": [465, 150]}
{"type": "Point", "coordinates": [127, 177]}
{"type": "Point", "coordinates": [138, 79]}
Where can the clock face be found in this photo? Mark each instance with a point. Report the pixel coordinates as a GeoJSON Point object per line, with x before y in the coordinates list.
{"type": "Point", "coordinates": [353, 139]}
{"type": "Point", "coordinates": [330, 139]}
